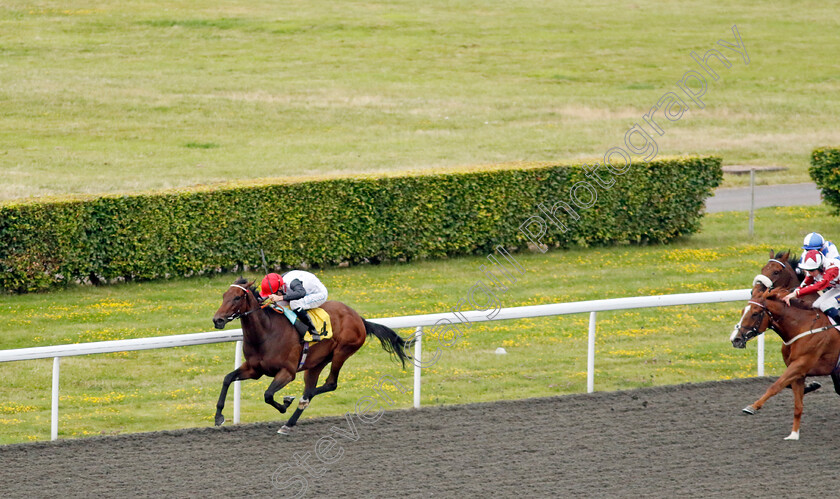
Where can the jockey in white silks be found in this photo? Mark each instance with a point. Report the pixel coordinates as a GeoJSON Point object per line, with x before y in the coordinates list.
{"type": "Point", "coordinates": [303, 290]}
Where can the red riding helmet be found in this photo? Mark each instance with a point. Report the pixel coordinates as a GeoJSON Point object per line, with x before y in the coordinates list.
{"type": "Point", "coordinates": [271, 284]}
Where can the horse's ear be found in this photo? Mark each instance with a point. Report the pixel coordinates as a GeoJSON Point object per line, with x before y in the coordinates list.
{"type": "Point", "coordinates": [786, 256]}
{"type": "Point", "coordinates": [771, 253]}
{"type": "Point", "coordinates": [250, 283]}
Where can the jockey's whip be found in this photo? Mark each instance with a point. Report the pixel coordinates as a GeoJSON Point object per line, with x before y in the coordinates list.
{"type": "Point", "coordinates": [265, 265]}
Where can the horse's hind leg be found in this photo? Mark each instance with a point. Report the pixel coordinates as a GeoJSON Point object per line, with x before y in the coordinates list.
{"type": "Point", "coordinates": [331, 383]}
{"type": "Point", "coordinates": [310, 378]}
{"type": "Point", "coordinates": [835, 378]}
{"type": "Point", "coordinates": [243, 372]}
{"type": "Point", "coordinates": [283, 378]}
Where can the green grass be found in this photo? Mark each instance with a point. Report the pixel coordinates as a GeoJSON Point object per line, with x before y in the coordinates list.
{"type": "Point", "coordinates": [108, 96]}
{"type": "Point", "coordinates": [175, 388]}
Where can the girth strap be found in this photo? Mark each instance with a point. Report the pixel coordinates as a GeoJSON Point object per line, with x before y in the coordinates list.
{"type": "Point", "coordinates": [305, 353]}
{"type": "Point", "coordinates": [806, 333]}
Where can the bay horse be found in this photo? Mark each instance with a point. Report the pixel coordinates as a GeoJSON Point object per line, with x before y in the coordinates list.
{"type": "Point", "coordinates": [778, 272]}
{"type": "Point", "coordinates": [272, 347]}
{"type": "Point", "coordinates": [811, 345]}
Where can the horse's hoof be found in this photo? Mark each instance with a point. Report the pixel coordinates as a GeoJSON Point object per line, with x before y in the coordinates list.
{"type": "Point", "coordinates": [287, 401]}
{"type": "Point", "coordinates": [284, 430]}
{"type": "Point", "coordinates": [812, 387]}
{"type": "Point", "coordinates": [794, 435]}
{"type": "Point", "coordinates": [748, 410]}
{"type": "Point", "coordinates": [220, 420]}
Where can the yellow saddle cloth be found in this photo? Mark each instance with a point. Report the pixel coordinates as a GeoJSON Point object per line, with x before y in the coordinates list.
{"type": "Point", "coordinates": [321, 320]}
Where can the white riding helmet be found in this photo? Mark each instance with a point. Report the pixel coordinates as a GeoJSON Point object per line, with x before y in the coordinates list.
{"type": "Point", "coordinates": [812, 261]}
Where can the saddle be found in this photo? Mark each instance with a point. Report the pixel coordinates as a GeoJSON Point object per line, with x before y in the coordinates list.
{"type": "Point", "coordinates": [321, 320]}
{"type": "Point", "coordinates": [319, 317]}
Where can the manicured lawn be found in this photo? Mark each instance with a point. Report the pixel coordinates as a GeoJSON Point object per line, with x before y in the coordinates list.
{"type": "Point", "coordinates": [175, 388]}
{"type": "Point", "coordinates": [126, 96]}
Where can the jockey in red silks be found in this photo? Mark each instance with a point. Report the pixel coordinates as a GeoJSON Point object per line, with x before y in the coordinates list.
{"type": "Point", "coordinates": [823, 278]}
{"type": "Point", "coordinates": [303, 291]}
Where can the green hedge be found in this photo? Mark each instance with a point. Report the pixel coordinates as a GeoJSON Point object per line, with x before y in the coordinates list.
{"type": "Point", "coordinates": [328, 221]}
{"type": "Point", "coordinates": [825, 170]}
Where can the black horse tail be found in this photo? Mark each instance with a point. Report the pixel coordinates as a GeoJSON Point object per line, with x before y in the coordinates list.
{"type": "Point", "coordinates": [391, 341]}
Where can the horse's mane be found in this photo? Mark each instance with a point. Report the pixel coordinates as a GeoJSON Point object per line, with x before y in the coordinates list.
{"type": "Point", "coordinates": [778, 294]}
{"type": "Point", "coordinates": [252, 288]}
{"type": "Point", "coordinates": [794, 263]}
{"type": "Point", "coordinates": [793, 260]}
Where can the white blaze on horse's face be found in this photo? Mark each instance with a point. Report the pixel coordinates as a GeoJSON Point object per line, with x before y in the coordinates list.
{"type": "Point", "coordinates": [738, 326]}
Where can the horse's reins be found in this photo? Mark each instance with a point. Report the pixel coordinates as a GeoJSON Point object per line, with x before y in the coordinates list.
{"type": "Point", "coordinates": [776, 324]}
{"type": "Point", "coordinates": [237, 315]}
{"type": "Point", "coordinates": [773, 323]}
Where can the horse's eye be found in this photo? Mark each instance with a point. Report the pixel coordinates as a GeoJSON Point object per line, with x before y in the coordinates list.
{"type": "Point", "coordinates": [237, 298]}
{"type": "Point", "coordinates": [776, 272]}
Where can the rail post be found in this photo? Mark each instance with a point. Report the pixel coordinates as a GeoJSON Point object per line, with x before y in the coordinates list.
{"type": "Point", "coordinates": [760, 354]}
{"type": "Point", "coordinates": [54, 415]}
{"type": "Point", "coordinates": [752, 201]}
{"type": "Point", "coordinates": [237, 385]}
{"type": "Point", "coordinates": [418, 356]}
{"type": "Point", "coordinates": [590, 355]}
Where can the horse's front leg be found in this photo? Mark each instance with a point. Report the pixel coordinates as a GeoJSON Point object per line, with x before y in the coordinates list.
{"type": "Point", "coordinates": [795, 372]}
{"type": "Point", "coordinates": [243, 372]}
{"type": "Point", "coordinates": [798, 394]}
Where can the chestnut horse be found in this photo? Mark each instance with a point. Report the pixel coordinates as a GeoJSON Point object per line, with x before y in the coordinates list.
{"type": "Point", "coordinates": [780, 273]}
{"type": "Point", "coordinates": [811, 345]}
{"type": "Point", "coordinates": [272, 347]}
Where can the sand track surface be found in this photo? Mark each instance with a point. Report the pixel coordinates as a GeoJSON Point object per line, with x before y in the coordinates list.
{"type": "Point", "coordinates": [688, 440]}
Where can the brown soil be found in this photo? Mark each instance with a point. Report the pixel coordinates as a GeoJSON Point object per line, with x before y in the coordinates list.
{"type": "Point", "coordinates": [689, 440]}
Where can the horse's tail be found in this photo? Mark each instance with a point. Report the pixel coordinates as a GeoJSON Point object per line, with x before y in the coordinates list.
{"type": "Point", "coordinates": [391, 341]}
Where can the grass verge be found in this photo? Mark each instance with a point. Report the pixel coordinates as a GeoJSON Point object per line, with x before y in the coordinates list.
{"type": "Point", "coordinates": [176, 388]}
{"type": "Point", "coordinates": [127, 96]}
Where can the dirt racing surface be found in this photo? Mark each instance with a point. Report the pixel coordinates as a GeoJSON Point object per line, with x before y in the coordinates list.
{"type": "Point", "coordinates": [688, 440]}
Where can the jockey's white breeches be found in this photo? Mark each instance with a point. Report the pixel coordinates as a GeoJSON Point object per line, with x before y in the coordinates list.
{"type": "Point", "coordinates": [312, 300]}
{"type": "Point", "coordinates": [828, 299]}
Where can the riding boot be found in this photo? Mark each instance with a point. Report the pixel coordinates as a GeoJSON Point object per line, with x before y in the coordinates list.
{"type": "Point", "coordinates": [834, 314]}
{"type": "Point", "coordinates": [300, 327]}
{"type": "Point", "coordinates": [303, 317]}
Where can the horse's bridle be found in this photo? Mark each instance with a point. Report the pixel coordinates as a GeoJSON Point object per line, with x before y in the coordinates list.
{"type": "Point", "coordinates": [766, 281]}
{"type": "Point", "coordinates": [238, 314]}
{"type": "Point", "coordinates": [753, 331]}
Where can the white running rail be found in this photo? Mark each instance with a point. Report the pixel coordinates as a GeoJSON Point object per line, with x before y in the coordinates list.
{"type": "Point", "coordinates": [412, 321]}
